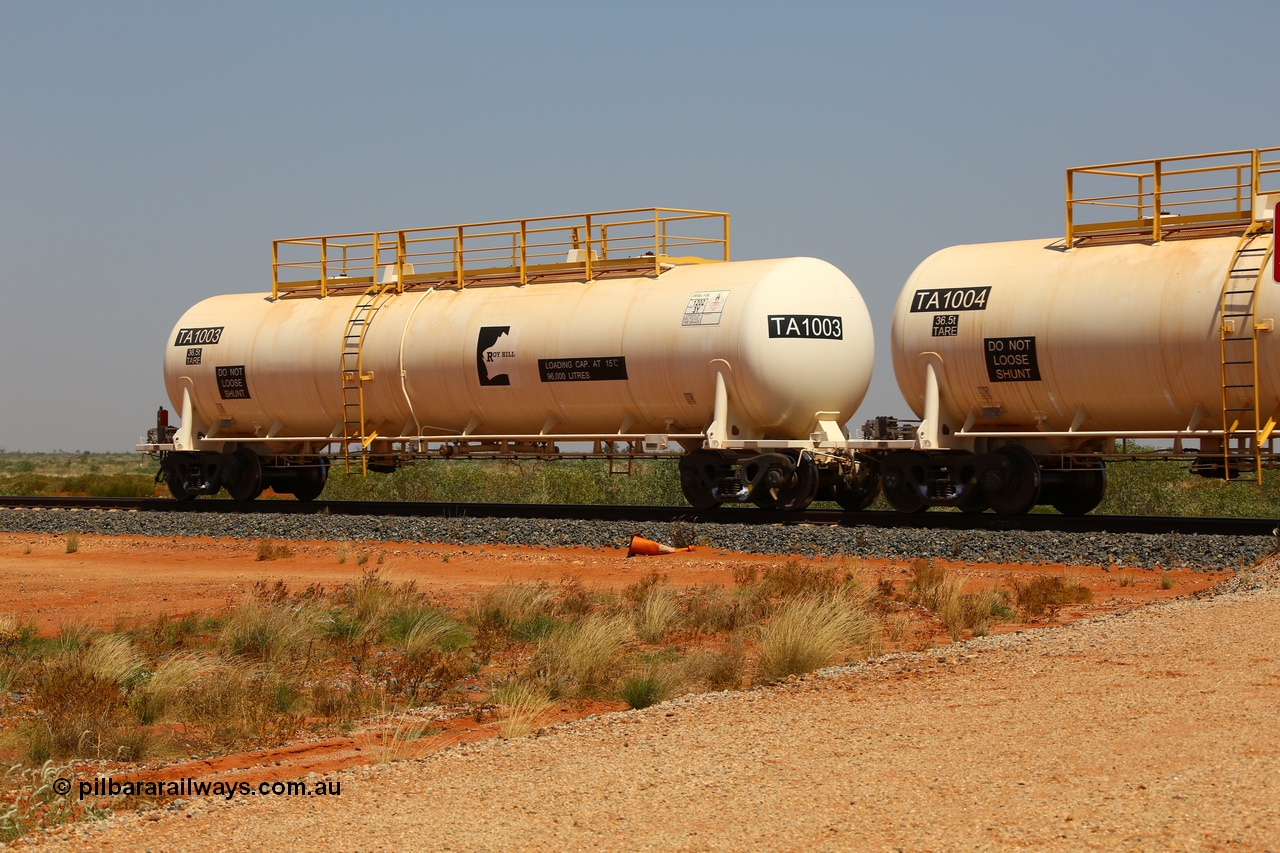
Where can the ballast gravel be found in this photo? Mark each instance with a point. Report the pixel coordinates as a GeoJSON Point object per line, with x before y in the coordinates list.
{"type": "Point", "coordinates": [1083, 549]}
{"type": "Point", "coordinates": [1146, 730]}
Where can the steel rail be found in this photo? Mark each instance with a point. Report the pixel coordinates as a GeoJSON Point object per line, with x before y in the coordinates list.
{"type": "Point", "coordinates": [1198, 526]}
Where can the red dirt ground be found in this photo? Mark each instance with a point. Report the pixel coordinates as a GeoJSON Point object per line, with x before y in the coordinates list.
{"type": "Point", "coordinates": [113, 579]}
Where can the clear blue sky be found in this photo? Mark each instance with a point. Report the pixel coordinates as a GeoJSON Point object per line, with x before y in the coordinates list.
{"type": "Point", "coordinates": [151, 151]}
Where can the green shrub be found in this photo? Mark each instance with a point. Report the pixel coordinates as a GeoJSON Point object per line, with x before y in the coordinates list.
{"type": "Point", "coordinates": [645, 689]}
{"type": "Point", "coordinates": [570, 481]}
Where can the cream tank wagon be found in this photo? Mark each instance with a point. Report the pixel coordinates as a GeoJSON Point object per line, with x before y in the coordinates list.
{"type": "Point", "coordinates": [1153, 318]}
{"type": "Point", "coordinates": [606, 334]}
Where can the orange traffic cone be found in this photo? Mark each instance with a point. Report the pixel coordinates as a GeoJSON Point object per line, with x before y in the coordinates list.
{"type": "Point", "coordinates": [641, 547]}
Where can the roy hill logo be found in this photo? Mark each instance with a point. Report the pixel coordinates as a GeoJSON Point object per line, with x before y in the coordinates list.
{"type": "Point", "coordinates": [496, 355]}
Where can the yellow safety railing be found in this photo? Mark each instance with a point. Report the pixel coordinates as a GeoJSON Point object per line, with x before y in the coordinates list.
{"type": "Point", "coordinates": [510, 251]}
{"type": "Point", "coordinates": [1155, 198]}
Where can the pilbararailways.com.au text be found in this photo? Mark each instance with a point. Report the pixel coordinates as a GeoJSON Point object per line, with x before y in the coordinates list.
{"type": "Point", "coordinates": [106, 786]}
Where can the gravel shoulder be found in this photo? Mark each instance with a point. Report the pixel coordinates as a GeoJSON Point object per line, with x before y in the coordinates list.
{"type": "Point", "coordinates": [1153, 729]}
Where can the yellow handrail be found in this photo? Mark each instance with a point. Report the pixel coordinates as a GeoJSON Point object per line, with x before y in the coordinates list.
{"type": "Point", "coordinates": [585, 242]}
{"type": "Point", "coordinates": [1168, 193]}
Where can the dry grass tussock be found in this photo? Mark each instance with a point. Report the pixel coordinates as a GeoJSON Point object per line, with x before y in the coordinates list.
{"type": "Point", "coordinates": [410, 740]}
{"type": "Point", "coordinates": [580, 658]}
{"type": "Point", "coordinates": [520, 704]}
{"type": "Point", "coordinates": [272, 633]}
{"type": "Point", "coordinates": [795, 579]}
{"type": "Point", "coordinates": [1045, 595]}
{"type": "Point", "coordinates": [425, 631]}
{"type": "Point", "coordinates": [162, 693]}
{"type": "Point", "coordinates": [932, 588]}
{"type": "Point", "coordinates": [716, 668]}
{"type": "Point", "coordinates": [512, 603]}
{"type": "Point", "coordinates": [656, 613]}
{"type": "Point", "coordinates": [808, 632]}
{"type": "Point", "coordinates": [269, 550]}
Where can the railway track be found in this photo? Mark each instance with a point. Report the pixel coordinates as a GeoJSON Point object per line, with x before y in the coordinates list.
{"type": "Point", "coordinates": [878, 519]}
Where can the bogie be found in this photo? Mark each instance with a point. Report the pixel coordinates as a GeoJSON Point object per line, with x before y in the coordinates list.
{"type": "Point", "coordinates": [242, 473]}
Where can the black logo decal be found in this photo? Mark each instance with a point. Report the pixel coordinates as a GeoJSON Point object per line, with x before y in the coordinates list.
{"type": "Point", "coordinates": [495, 355]}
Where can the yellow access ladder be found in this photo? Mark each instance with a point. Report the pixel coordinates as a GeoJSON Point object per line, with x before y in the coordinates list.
{"type": "Point", "coordinates": [1239, 327]}
{"type": "Point", "coordinates": [354, 375]}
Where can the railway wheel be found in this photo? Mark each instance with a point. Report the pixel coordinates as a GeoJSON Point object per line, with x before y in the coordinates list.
{"type": "Point", "coordinates": [1078, 490]}
{"type": "Point", "coordinates": [178, 488]}
{"type": "Point", "coordinates": [246, 476]}
{"type": "Point", "coordinates": [175, 476]}
{"type": "Point", "coordinates": [698, 472]}
{"type": "Point", "coordinates": [1011, 480]}
{"type": "Point", "coordinates": [794, 493]}
{"type": "Point", "coordinates": [903, 477]}
{"type": "Point", "coordinates": [311, 480]}
{"type": "Point", "coordinates": [858, 492]}
{"type": "Point", "coordinates": [974, 503]}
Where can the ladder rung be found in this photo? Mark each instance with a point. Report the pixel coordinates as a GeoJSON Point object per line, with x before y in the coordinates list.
{"type": "Point", "coordinates": [1245, 409]}
{"type": "Point", "coordinates": [1237, 362]}
{"type": "Point", "coordinates": [1245, 314]}
{"type": "Point", "coordinates": [1245, 385]}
